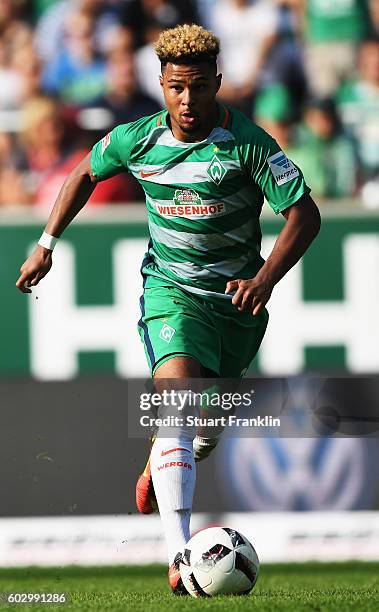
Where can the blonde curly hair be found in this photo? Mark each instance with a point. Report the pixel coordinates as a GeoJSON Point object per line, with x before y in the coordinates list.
{"type": "Point", "coordinates": [187, 43]}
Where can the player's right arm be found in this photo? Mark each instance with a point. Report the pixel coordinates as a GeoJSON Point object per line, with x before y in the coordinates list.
{"type": "Point", "coordinates": [109, 157]}
{"type": "Point", "coordinates": [73, 195]}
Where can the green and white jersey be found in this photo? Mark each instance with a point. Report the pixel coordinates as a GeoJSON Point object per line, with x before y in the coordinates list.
{"type": "Point", "coordinates": [203, 198]}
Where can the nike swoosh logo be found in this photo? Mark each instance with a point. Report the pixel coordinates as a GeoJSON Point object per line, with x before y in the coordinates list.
{"type": "Point", "coordinates": [147, 174]}
{"type": "Point", "coordinates": [172, 450]}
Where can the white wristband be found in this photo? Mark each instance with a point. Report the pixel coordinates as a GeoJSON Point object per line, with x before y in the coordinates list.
{"type": "Point", "coordinates": [48, 241]}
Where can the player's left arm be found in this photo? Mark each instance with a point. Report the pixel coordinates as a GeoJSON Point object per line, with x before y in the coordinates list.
{"type": "Point", "coordinates": [302, 226]}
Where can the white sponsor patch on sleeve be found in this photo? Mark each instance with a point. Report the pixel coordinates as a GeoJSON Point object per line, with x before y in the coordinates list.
{"type": "Point", "coordinates": [105, 142]}
{"type": "Point", "coordinates": [282, 168]}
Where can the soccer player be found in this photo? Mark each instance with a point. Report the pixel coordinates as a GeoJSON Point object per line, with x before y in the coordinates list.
{"type": "Point", "coordinates": [205, 169]}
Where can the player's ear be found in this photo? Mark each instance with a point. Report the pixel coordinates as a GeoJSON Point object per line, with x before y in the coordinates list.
{"type": "Point", "coordinates": [218, 81]}
{"type": "Point", "coordinates": [161, 80]}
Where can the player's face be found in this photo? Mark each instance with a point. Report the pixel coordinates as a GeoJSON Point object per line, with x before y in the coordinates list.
{"type": "Point", "coordinates": [190, 93]}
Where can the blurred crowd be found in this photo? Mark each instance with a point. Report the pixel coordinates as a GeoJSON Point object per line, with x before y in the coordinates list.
{"type": "Point", "coordinates": [305, 70]}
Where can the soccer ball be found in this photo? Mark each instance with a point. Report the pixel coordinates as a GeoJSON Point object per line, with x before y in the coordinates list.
{"type": "Point", "coordinates": [219, 560]}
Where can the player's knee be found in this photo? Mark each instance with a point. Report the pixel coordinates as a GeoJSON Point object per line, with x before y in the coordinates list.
{"type": "Point", "coordinates": [202, 447]}
{"type": "Point", "coordinates": [177, 415]}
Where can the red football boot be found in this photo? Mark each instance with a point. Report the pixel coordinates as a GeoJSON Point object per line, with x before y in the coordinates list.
{"type": "Point", "coordinates": [174, 577]}
{"type": "Point", "coordinates": [145, 495]}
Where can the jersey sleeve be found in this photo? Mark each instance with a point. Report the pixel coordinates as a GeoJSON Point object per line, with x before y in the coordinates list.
{"type": "Point", "coordinates": [280, 180]}
{"type": "Point", "coordinates": [110, 155]}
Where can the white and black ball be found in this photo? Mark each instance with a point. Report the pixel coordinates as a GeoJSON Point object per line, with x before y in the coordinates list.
{"type": "Point", "coordinates": [219, 560]}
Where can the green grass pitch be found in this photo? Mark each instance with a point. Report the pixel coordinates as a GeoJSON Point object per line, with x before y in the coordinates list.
{"type": "Point", "coordinates": [295, 587]}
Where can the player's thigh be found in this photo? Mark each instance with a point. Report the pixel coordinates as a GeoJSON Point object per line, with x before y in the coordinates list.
{"type": "Point", "coordinates": [175, 324]}
{"type": "Point", "coordinates": [242, 335]}
{"type": "Point", "coordinates": [179, 366]}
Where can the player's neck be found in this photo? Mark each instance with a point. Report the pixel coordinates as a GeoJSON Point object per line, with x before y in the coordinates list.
{"type": "Point", "coordinates": [209, 123]}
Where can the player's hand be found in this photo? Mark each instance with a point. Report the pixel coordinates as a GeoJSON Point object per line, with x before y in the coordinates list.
{"type": "Point", "coordinates": [34, 268]}
{"type": "Point", "coordinates": [251, 295]}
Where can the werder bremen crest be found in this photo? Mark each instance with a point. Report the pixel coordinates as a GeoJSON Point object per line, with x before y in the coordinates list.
{"type": "Point", "coordinates": [216, 170]}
